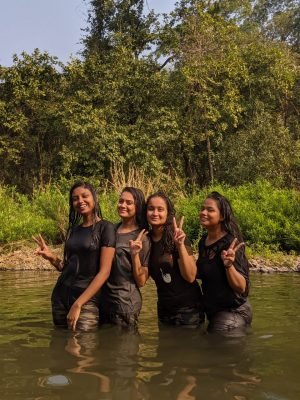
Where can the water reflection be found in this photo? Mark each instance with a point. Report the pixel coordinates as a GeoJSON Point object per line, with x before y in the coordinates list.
{"type": "Point", "coordinates": [97, 364]}
{"type": "Point", "coordinates": [39, 362]}
{"type": "Point", "coordinates": [194, 365]}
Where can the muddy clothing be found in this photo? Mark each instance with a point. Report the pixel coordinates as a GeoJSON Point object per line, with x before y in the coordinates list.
{"type": "Point", "coordinates": [179, 301]}
{"type": "Point", "coordinates": [82, 250]}
{"type": "Point", "coordinates": [120, 299]}
{"type": "Point", "coordinates": [218, 296]}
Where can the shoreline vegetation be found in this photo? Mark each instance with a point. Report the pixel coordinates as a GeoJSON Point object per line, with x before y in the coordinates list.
{"type": "Point", "coordinates": [23, 259]}
{"type": "Point", "coordinates": [268, 217]}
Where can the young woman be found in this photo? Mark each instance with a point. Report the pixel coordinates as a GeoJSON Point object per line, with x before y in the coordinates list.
{"type": "Point", "coordinates": [223, 267]}
{"type": "Point", "coordinates": [88, 254]}
{"type": "Point", "coordinates": [171, 265]}
{"type": "Point", "coordinates": [121, 300]}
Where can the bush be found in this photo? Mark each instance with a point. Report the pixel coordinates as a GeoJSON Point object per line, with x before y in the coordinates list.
{"type": "Point", "coordinates": [268, 216]}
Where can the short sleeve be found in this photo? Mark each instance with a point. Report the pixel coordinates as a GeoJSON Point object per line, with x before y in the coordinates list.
{"type": "Point", "coordinates": [145, 252]}
{"type": "Point", "coordinates": [241, 264]}
{"type": "Point", "coordinates": [107, 235]}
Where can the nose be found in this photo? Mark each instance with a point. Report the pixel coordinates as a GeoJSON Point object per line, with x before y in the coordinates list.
{"type": "Point", "coordinates": [202, 213]}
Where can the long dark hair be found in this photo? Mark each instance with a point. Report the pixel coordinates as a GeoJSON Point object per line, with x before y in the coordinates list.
{"type": "Point", "coordinates": [140, 205]}
{"type": "Point", "coordinates": [229, 223]}
{"type": "Point", "coordinates": [168, 233]}
{"type": "Point", "coordinates": [75, 217]}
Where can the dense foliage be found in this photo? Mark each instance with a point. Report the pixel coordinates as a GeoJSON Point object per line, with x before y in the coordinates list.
{"type": "Point", "coordinates": [208, 94]}
{"type": "Point", "coordinates": [268, 217]}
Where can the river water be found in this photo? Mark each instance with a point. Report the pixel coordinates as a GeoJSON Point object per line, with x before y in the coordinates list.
{"type": "Point", "coordinates": [38, 362]}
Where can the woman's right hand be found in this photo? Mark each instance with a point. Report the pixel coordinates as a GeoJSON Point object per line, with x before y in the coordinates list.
{"type": "Point", "coordinates": [43, 250]}
{"type": "Point", "coordinates": [137, 244]}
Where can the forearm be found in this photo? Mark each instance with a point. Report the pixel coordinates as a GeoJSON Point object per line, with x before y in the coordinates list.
{"type": "Point", "coordinates": [93, 288]}
{"type": "Point", "coordinates": [236, 280]}
{"type": "Point", "coordinates": [106, 258]}
{"type": "Point", "coordinates": [57, 263]}
{"type": "Point", "coordinates": [140, 273]}
{"type": "Point", "coordinates": [187, 264]}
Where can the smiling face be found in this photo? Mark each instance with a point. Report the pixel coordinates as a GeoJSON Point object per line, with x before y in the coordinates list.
{"type": "Point", "coordinates": [210, 215]}
{"type": "Point", "coordinates": [82, 201]}
{"type": "Point", "coordinates": [126, 206]}
{"type": "Point", "coordinates": [157, 212]}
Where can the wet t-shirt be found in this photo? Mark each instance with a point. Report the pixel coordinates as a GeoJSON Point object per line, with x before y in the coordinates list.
{"type": "Point", "coordinates": [173, 291]}
{"type": "Point", "coordinates": [83, 248]}
{"type": "Point", "coordinates": [217, 293]}
{"type": "Point", "coordinates": [120, 294]}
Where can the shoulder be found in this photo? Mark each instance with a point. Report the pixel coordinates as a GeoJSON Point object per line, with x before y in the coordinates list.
{"type": "Point", "coordinates": [107, 233]}
{"type": "Point", "coordinates": [202, 239]}
{"type": "Point", "coordinates": [104, 224]}
{"type": "Point", "coordinates": [226, 240]}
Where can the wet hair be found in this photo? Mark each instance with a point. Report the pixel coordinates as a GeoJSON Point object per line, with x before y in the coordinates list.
{"type": "Point", "coordinates": [75, 217]}
{"type": "Point", "coordinates": [229, 223]}
{"type": "Point", "coordinates": [168, 232]}
{"type": "Point", "coordinates": [140, 205]}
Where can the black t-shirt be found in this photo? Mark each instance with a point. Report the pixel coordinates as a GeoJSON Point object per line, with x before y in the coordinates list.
{"type": "Point", "coordinates": [217, 293]}
{"type": "Point", "coordinates": [173, 291]}
{"type": "Point", "coordinates": [84, 247]}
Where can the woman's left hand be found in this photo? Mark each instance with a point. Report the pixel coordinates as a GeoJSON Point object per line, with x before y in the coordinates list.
{"type": "Point", "coordinates": [137, 244]}
{"type": "Point", "coordinates": [228, 256]}
{"type": "Point", "coordinates": [73, 316]}
{"type": "Point", "coordinates": [179, 235]}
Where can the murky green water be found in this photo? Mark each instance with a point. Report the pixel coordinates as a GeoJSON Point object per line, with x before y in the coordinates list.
{"type": "Point", "coordinates": [38, 362]}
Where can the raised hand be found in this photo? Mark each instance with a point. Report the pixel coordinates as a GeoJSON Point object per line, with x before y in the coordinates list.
{"type": "Point", "coordinates": [179, 235]}
{"type": "Point", "coordinates": [137, 244]}
{"type": "Point", "coordinates": [228, 256]}
{"type": "Point", "coordinates": [43, 250]}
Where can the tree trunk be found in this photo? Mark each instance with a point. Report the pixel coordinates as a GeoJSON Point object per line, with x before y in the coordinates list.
{"type": "Point", "coordinates": [209, 159]}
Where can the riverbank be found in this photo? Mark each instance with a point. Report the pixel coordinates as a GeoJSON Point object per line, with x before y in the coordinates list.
{"type": "Point", "coordinates": [23, 259]}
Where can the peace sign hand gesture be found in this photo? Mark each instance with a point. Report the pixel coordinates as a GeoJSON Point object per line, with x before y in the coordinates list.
{"type": "Point", "coordinates": [228, 256]}
{"type": "Point", "coordinates": [43, 250]}
{"type": "Point", "coordinates": [137, 244]}
{"type": "Point", "coordinates": [179, 235]}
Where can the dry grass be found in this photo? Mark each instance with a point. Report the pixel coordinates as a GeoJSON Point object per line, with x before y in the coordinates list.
{"type": "Point", "coordinates": [139, 178]}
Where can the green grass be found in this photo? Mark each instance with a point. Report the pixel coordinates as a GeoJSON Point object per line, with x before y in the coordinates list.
{"type": "Point", "coordinates": [268, 216]}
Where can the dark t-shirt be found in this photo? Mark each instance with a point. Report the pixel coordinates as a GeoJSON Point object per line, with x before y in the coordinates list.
{"type": "Point", "coordinates": [173, 291]}
{"type": "Point", "coordinates": [217, 293]}
{"type": "Point", "coordinates": [84, 248]}
{"type": "Point", "coordinates": [120, 294]}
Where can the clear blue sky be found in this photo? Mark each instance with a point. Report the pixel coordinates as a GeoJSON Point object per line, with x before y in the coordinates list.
{"type": "Point", "coordinates": [50, 25]}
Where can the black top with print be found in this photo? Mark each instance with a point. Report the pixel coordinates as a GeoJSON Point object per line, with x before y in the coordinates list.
{"type": "Point", "coordinates": [173, 291]}
{"type": "Point", "coordinates": [217, 293]}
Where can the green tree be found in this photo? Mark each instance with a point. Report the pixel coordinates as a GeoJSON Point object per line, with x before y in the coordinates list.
{"type": "Point", "coordinates": [31, 133]}
{"type": "Point", "coordinates": [120, 21]}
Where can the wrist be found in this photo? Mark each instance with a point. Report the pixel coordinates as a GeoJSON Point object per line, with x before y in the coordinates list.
{"type": "Point", "coordinates": [77, 304]}
{"type": "Point", "coordinates": [57, 263]}
{"type": "Point", "coordinates": [228, 266]}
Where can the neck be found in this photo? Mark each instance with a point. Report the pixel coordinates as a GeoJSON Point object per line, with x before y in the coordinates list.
{"type": "Point", "coordinates": [128, 225]}
{"type": "Point", "coordinates": [215, 233]}
{"type": "Point", "coordinates": [88, 220]}
{"type": "Point", "coordinates": [157, 232]}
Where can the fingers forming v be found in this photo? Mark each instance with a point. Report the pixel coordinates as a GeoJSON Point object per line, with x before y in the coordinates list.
{"type": "Point", "coordinates": [181, 222]}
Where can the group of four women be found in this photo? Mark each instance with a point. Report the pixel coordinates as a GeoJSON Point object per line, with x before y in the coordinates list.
{"type": "Point", "coordinates": [104, 264]}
